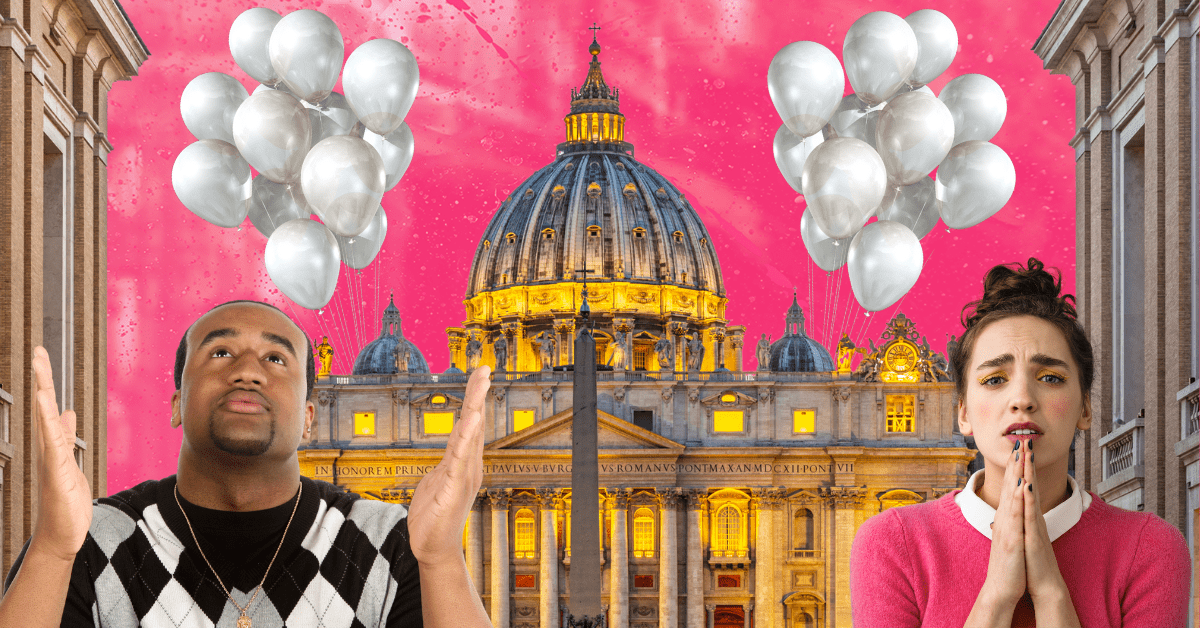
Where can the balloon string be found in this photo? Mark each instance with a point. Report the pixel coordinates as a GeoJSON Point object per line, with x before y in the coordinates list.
{"type": "Point", "coordinates": [343, 328]}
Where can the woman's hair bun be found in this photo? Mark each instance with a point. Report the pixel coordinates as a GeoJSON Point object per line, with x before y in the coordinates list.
{"type": "Point", "coordinates": [1031, 290]}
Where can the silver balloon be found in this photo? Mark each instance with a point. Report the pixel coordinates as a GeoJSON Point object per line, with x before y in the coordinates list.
{"type": "Point", "coordinates": [275, 203]}
{"type": "Point", "coordinates": [844, 180]}
{"type": "Point", "coordinates": [937, 43]}
{"type": "Point", "coordinates": [249, 37]}
{"type": "Point", "coordinates": [381, 80]}
{"type": "Point", "coordinates": [908, 87]}
{"type": "Point", "coordinates": [880, 52]}
{"type": "Point", "coordinates": [307, 52]}
{"type": "Point", "coordinates": [302, 259]}
{"type": "Point", "coordinates": [208, 105]}
{"type": "Point", "coordinates": [396, 151]}
{"type": "Point", "coordinates": [974, 181]}
{"type": "Point", "coordinates": [273, 133]}
{"type": "Point", "coordinates": [343, 179]}
{"type": "Point", "coordinates": [213, 181]}
{"type": "Point", "coordinates": [828, 253]}
{"type": "Point", "coordinates": [977, 105]}
{"type": "Point", "coordinates": [884, 263]}
{"type": "Point", "coordinates": [805, 81]}
{"type": "Point", "coordinates": [360, 250]}
{"type": "Point", "coordinates": [914, 134]}
{"type": "Point", "coordinates": [853, 118]}
{"type": "Point", "coordinates": [914, 206]}
{"type": "Point", "coordinates": [278, 87]}
{"type": "Point", "coordinates": [332, 116]}
{"type": "Point", "coordinates": [790, 153]}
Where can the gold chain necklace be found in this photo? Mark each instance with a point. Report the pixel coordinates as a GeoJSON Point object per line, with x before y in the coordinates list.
{"type": "Point", "coordinates": [243, 620]}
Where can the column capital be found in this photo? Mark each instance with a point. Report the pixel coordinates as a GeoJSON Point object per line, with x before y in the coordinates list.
{"type": "Point", "coordinates": [769, 498]}
{"type": "Point", "coordinates": [500, 498]}
{"type": "Point", "coordinates": [844, 496]}
{"type": "Point", "coordinates": [400, 397]}
{"type": "Point", "coordinates": [670, 497]}
{"type": "Point", "coordinates": [710, 607]}
{"type": "Point", "coordinates": [546, 498]}
{"type": "Point", "coordinates": [564, 325]}
{"type": "Point", "coordinates": [622, 324]}
{"type": "Point", "coordinates": [618, 499]}
{"type": "Point", "coordinates": [677, 328]}
{"type": "Point", "coordinates": [325, 397]}
{"type": "Point", "coordinates": [697, 498]}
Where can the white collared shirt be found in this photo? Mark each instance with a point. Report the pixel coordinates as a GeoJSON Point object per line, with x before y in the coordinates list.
{"type": "Point", "coordinates": [1060, 519]}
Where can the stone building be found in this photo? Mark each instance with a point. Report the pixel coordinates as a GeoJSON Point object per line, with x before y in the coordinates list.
{"type": "Point", "coordinates": [728, 498]}
{"type": "Point", "coordinates": [57, 62]}
{"type": "Point", "coordinates": [1134, 67]}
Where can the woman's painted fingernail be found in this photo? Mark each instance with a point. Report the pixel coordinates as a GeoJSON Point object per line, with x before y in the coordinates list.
{"type": "Point", "coordinates": [1031, 456]}
{"type": "Point", "coordinates": [1019, 481]}
{"type": "Point", "coordinates": [1016, 445]}
{"type": "Point", "coordinates": [1029, 444]}
{"type": "Point", "coordinates": [1017, 456]}
{"type": "Point", "coordinates": [1030, 485]}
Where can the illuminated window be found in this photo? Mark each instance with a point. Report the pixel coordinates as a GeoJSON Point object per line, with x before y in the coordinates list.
{"type": "Point", "coordinates": [728, 421]}
{"type": "Point", "coordinates": [437, 399]}
{"type": "Point", "coordinates": [802, 530]}
{"type": "Point", "coordinates": [678, 236]}
{"type": "Point", "coordinates": [525, 581]}
{"type": "Point", "coordinates": [594, 231]}
{"type": "Point", "coordinates": [900, 413]}
{"type": "Point", "coordinates": [643, 581]}
{"type": "Point", "coordinates": [728, 398]}
{"type": "Point", "coordinates": [643, 533]}
{"type": "Point", "coordinates": [547, 234]}
{"type": "Point", "coordinates": [487, 244]}
{"type": "Point", "coordinates": [804, 421]}
{"type": "Point", "coordinates": [728, 531]}
{"type": "Point", "coordinates": [639, 358]}
{"type": "Point", "coordinates": [511, 238]}
{"type": "Point", "coordinates": [438, 422]}
{"type": "Point", "coordinates": [525, 533]}
{"type": "Point", "coordinates": [522, 419]}
{"type": "Point", "coordinates": [364, 423]}
{"type": "Point", "coordinates": [639, 232]}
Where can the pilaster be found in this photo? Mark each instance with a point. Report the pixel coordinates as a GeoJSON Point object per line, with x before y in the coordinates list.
{"type": "Point", "coordinates": [844, 502]}
{"type": "Point", "coordinates": [501, 594]}
{"type": "Point", "coordinates": [668, 558]}
{"type": "Point", "coordinates": [696, 501]}
{"type": "Point", "coordinates": [548, 559]}
{"type": "Point", "coordinates": [618, 590]}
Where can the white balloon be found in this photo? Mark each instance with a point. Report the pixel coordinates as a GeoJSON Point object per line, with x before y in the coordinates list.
{"type": "Point", "coordinates": [273, 132]}
{"type": "Point", "coordinates": [307, 52]}
{"type": "Point", "coordinates": [208, 105]}
{"type": "Point", "coordinates": [974, 181]}
{"type": "Point", "coordinates": [396, 151]}
{"type": "Point", "coordinates": [884, 263]}
{"type": "Point", "coordinates": [213, 181]}
{"type": "Point", "coordinates": [302, 259]}
{"type": "Point", "coordinates": [915, 207]}
{"type": "Point", "coordinates": [381, 80]}
{"type": "Point", "coordinates": [978, 106]}
{"type": "Point", "coordinates": [790, 153]}
{"type": "Point", "coordinates": [937, 43]}
{"type": "Point", "coordinates": [853, 118]}
{"type": "Point", "coordinates": [914, 134]}
{"type": "Point", "coordinates": [880, 52]}
{"type": "Point", "coordinates": [332, 116]}
{"type": "Point", "coordinates": [276, 203]}
{"type": "Point", "coordinates": [844, 180]}
{"type": "Point", "coordinates": [249, 37]}
{"type": "Point", "coordinates": [360, 250]}
{"type": "Point", "coordinates": [343, 180]}
{"type": "Point", "coordinates": [805, 81]}
{"type": "Point", "coordinates": [828, 253]}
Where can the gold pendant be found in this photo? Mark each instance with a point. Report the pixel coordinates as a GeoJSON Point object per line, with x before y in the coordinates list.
{"type": "Point", "coordinates": [243, 621]}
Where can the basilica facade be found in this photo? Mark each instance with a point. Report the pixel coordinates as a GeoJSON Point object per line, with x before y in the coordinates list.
{"type": "Point", "coordinates": [729, 498]}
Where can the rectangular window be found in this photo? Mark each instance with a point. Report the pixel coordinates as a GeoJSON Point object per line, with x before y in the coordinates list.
{"type": "Point", "coordinates": [900, 413]}
{"type": "Point", "coordinates": [644, 419]}
{"type": "Point", "coordinates": [364, 423]}
{"type": "Point", "coordinates": [804, 421]}
{"type": "Point", "coordinates": [525, 581]}
{"type": "Point", "coordinates": [525, 535]}
{"type": "Point", "coordinates": [728, 421]}
{"type": "Point", "coordinates": [438, 422]}
{"type": "Point", "coordinates": [639, 359]}
{"type": "Point", "coordinates": [643, 581]}
{"type": "Point", "coordinates": [522, 419]}
{"type": "Point", "coordinates": [729, 582]}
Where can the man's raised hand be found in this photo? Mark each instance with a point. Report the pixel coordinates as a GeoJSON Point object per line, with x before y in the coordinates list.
{"type": "Point", "coordinates": [443, 498]}
{"type": "Point", "coordinates": [64, 497]}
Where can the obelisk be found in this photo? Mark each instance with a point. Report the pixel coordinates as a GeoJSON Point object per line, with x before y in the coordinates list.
{"type": "Point", "coordinates": [584, 578]}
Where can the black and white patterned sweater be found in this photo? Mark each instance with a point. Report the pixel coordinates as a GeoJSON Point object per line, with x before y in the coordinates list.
{"type": "Point", "coordinates": [345, 563]}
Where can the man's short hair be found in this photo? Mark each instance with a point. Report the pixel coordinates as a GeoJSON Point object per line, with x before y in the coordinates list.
{"type": "Point", "coordinates": [310, 364]}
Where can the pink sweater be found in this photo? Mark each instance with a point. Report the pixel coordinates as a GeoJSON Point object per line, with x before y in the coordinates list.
{"type": "Point", "coordinates": [924, 565]}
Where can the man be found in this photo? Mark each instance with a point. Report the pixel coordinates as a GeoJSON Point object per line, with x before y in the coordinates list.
{"type": "Point", "coordinates": [237, 537]}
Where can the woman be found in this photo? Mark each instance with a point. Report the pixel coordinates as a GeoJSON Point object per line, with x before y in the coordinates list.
{"type": "Point", "coordinates": [1022, 544]}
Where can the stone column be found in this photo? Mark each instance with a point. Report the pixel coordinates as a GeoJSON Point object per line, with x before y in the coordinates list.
{"type": "Point", "coordinates": [718, 336]}
{"type": "Point", "coordinates": [500, 557]}
{"type": "Point", "coordinates": [564, 331]}
{"type": "Point", "coordinates": [678, 330]}
{"type": "Point", "coordinates": [668, 560]}
{"type": "Point", "coordinates": [764, 575]}
{"type": "Point", "coordinates": [618, 589]}
{"type": "Point", "coordinates": [844, 428]}
{"type": "Point", "coordinates": [845, 502]}
{"type": "Point", "coordinates": [695, 560]}
{"type": "Point", "coordinates": [512, 333]}
{"type": "Point", "coordinates": [548, 558]}
{"type": "Point", "coordinates": [474, 547]}
{"type": "Point", "coordinates": [709, 609]}
{"type": "Point", "coordinates": [735, 343]}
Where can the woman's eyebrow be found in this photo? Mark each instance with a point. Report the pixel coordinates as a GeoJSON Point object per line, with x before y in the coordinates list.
{"type": "Point", "coordinates": [1001, 360]}
{"type": "Point", "coordinates": [1045, 360]}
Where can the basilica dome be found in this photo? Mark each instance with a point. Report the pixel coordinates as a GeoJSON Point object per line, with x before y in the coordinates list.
{"type": "Point", "coordinates": [795, 351]}
{"type": "Point", "coordinates": [379, 356]}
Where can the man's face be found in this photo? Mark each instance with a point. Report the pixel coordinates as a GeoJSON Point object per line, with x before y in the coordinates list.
{"type": "Point", "coordinates": [244, 383]}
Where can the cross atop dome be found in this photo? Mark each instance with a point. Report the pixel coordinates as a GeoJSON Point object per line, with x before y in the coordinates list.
{"type": "Point", "coordinates": [594, 88]}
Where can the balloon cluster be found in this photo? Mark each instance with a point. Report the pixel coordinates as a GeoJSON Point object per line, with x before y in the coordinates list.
{"type": "Point", "coordinates": [870, 153]}
{"type": "Point", "coordinates": [315, 150]}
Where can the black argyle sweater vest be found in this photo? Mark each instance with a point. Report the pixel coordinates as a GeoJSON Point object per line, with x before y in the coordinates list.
{"type": "Point", "coordinates": [345, 562]}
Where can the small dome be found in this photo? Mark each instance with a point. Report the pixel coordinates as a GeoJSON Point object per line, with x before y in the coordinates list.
{"type": "Point", "coordinates": [379, 356]}
{"type": "Point", "coordinates": [795, 351]}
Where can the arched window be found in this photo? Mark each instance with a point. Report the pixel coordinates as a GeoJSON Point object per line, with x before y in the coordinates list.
{"type": "Point", "coordinates": [643, 533]}
{"type": "Point", "coordinates": [802, 530]}
{"type": "Point", "coordinates": [525, 541]}
{"type": "Point", "coordinates": [728, 530]}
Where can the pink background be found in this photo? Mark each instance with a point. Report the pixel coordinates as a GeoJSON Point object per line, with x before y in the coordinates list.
{"type": "Point", "coordinates": [495, 85]}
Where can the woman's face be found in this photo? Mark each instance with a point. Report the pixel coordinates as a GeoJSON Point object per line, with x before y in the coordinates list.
{"type": "Point", "coordinates": [1021, 375]}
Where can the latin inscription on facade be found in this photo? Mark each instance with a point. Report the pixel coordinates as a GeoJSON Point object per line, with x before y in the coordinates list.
{"type": "Point", "coordinates": [606, 468]}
